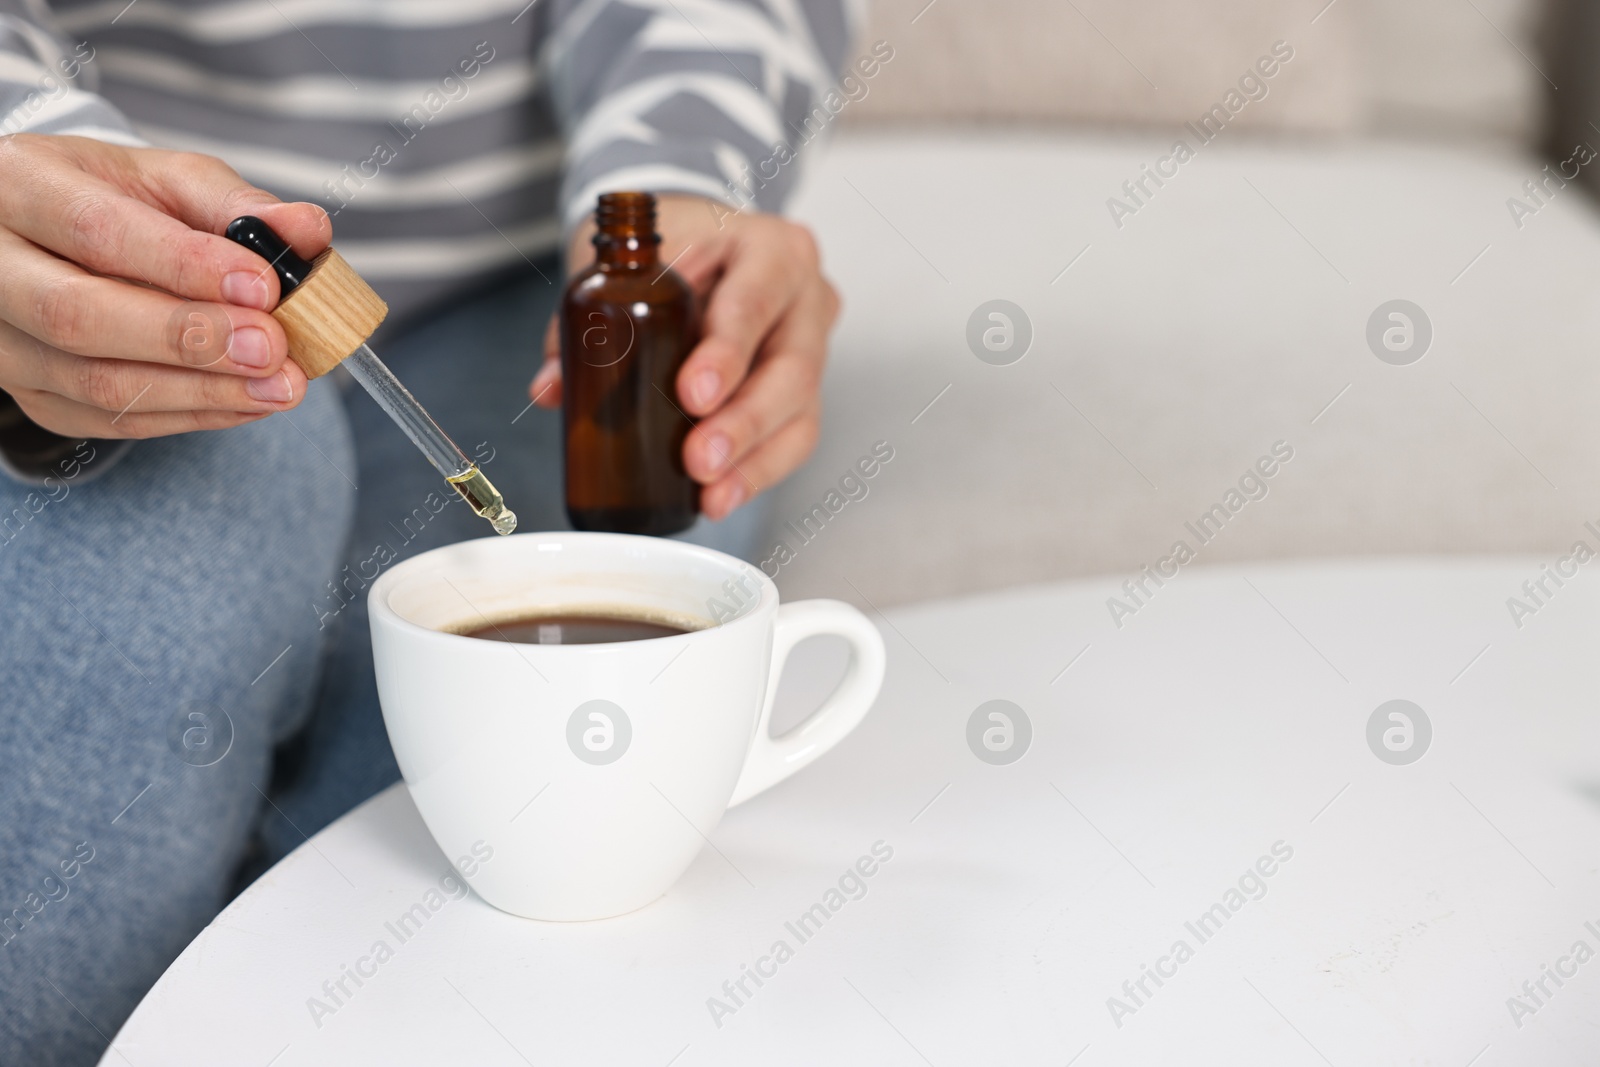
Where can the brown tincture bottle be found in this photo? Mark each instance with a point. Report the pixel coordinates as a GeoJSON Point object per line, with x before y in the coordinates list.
{"type": "Point", "coordinates": [627, 325]}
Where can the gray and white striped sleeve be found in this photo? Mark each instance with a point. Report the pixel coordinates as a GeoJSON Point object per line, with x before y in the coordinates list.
{"type": "Point", "coordinates": [47, 81]}
{"type": "Point", "coordinates": [694, 96]}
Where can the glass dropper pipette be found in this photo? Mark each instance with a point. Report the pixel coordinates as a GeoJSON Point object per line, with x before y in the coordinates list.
{"type": "Point", "coordinates": [328, 324]}
{"type": "Point", "coordinates": [462, 473]}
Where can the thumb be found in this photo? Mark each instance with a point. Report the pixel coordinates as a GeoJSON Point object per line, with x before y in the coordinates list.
{"type": "Point", "coordinates": [206, 194]}
{"type": "Point", "coordinates": [546, 388]}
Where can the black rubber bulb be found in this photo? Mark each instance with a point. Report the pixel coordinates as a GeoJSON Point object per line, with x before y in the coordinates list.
{"type": "Point", "coordinates": [261, 239]}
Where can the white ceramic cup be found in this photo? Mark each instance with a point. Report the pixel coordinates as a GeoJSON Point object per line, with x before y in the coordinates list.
{"type": "Point", "coordinates": [592, 773]}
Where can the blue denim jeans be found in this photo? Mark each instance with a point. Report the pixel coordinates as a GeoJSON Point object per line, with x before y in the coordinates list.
{"type": "Point", "coordinates": [185, 667]}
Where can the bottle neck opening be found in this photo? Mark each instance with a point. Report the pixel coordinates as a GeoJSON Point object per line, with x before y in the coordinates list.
{"type": "Point", "coordinates": [625, 235]}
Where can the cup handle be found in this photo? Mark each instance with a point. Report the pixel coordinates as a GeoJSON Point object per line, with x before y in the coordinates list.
{"type": "Point", "coordinates": [771, 760]}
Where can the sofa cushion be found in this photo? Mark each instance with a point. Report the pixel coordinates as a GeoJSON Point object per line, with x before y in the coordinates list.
{"type": "Point", "coordinates": [1229, 313]}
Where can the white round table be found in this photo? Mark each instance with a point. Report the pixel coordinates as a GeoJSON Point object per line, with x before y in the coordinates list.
{"type": "Point", "coordinates": [1200, 777]}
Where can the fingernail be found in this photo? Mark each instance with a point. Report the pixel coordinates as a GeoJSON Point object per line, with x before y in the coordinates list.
{"type": "Point", "coordinates": [705, 387]}
{"type": "Point", "coordinates": [274, 390]}
{"type": "Point", "coordinates": [250, 347]}
{"type": "Point", "coordinates": [721, 449]}
{"type": "Point", "coordinates": [246, 289]}
{"type": "Point", "coordinates": [732, 501]}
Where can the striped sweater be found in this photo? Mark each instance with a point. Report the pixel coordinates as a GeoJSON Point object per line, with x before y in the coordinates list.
{"type": "Point", "coordinates": [450, 139]}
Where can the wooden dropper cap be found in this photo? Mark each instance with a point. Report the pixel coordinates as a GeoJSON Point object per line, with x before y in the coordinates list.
{"type": "Point", "coordinates": [326, 309]}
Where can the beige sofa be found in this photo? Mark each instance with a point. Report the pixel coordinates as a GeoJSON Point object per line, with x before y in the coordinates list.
{"type": "Point", "coordinates": [1228, 313]}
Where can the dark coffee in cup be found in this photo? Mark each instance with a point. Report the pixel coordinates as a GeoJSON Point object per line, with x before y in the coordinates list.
{"type": "Point", "coordinates": [575, 629]}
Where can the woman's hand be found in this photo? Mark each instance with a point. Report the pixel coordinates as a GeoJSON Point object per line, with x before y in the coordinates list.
{"type": "Point", "coordinates": [754, 380]}
{"type": "Point", "coordinates": [122, 312]}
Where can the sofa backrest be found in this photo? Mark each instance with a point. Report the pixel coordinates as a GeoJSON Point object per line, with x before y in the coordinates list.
{"type": "Point", "coordinates": [1456, 68]}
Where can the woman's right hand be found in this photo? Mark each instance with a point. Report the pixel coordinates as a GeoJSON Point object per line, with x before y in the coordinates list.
{"type": "Point", "coordinates": [122, 312]}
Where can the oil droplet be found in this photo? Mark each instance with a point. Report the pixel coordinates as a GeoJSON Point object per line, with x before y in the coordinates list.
{"type": "Point", "coordinates": [505, 522]}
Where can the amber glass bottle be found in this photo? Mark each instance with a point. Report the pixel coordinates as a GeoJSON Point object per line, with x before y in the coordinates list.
{"type": "Point", "coordinates": [627, 325]}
